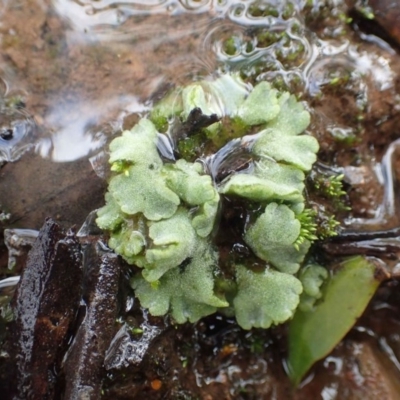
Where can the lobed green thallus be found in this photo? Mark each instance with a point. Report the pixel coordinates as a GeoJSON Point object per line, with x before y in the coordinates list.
{"type": "Point", "coordinates": [162, 210]}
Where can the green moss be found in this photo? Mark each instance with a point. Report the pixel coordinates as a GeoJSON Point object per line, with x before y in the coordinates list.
{"type": "Point", "coordinates": [232, 46]}
{"type": "Point", "coordinates": [327, 226]}
{"type": "Point", "coordinates": [231, 128]}
{"type": "Point", "coordinates": [191, 147]}
{"type": "Point", "coordinates": [308, 227]}
{"type": "Point", "coordinates": [330, 186]}
{"type": "Point", "coordinates": [282, 9]}
{"type": "Point", "coordinates": [163, 111]}
{"type": "Point", "coordinates": [266, 37]}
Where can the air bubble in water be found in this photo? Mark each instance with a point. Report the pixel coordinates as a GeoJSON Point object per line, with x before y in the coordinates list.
{"type": "Point", "coordinates": [89, 10]}
{"type": "Point", "coordinates": [237, 10]}
{"type": "Point", "coordinates": [194, 4]}
{"type": "Point", "coordinates": [16, 135]}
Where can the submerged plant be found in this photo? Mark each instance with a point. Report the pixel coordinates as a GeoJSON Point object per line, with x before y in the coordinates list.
{"type": "Point", "coordinates": [169, 194]}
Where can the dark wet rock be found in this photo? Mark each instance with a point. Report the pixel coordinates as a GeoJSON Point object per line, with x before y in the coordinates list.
{"type": "Point", "coordinates": [357, 371]}
{"type": "Point", "coordinates": [387, 14]}
{"type": "Point", "coordinates": [83, 366]}
{"type": "Point", "coordinates": [385, 248]}
{"type": "Point", "coordinates": [38, 188]}
{"type": "Point", "coordinates": [45, 304]}
{"type": "Point", "coordinates": [379, 377]}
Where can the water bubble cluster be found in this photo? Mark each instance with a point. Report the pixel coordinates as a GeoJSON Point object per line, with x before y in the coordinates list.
{"type": "Point", "coordinates": [290, 42]}
{"type": "Point", "coordinates": [125, 350]}
{"type": "Point", "coordinates": [17, 131]}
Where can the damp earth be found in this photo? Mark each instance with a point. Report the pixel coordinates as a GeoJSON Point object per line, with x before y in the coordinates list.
{"type": "Point", "coordinates": [73, 75]}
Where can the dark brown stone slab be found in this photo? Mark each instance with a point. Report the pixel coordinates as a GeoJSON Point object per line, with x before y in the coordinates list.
{"type": "Point", "coordinates": [45, 306]}
{"type": "Point", "coordinates": [83, 367]}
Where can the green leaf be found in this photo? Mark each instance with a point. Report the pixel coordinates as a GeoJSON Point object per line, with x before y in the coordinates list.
{"type": "Point", "coordinates": [204, 218]}
{"type": "Point", "coordinates": [313, 334]}
{"type": "Point", "coordinates": [137, 147]}
{"type": "Point", "coordinates": [312, 276]}
{"type": "Point", "coordinates": [229, 92]}
{"type": "Point", "coordinates": [127, 243]}
{"type": "Point", "coordinates": [173, 241]}
{"type": "Point", "coordinates": [299, 151]}
{"type": "Point", "coordinates": [284, 177]}
{"type": "Point", "coordinates": [288, 258]}
{"type": "Point", "coordinates": [188, 181]}
{"type": "Point", "coordinates": [248, 186]}
{"type": "Point", "coordinates": [268, 181]}
{"type": "Point", "coordinates": [139, 186]}
{"type": "Point", "coordinates": [165, 109]}
{"type": "Point", "coordinates": [193, 96]}
{"type": "Point", "coordinates": [272, 238]}
{"type": "Point", "coordinates": [277, 225]}
{"type": "Point", "coordinates": [187, 292]}
{"type": "Point", "coordinates": [260, 106]}
{"type": "Point", "coordinates": [292, 119]}
{"type": "Point", "coordinates": [142, 190]}
{"type": "Point", "coordinates": [130, 239]}
{"type": "Point", "coordinates": [265, 298]}
{"type": "Point", "coordinates": [160, 213]}
{"type": "Point", "coordinates": [109, 217]}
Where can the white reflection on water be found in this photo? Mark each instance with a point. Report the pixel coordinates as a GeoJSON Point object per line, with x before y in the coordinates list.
{"type": "Point", "coordinates": [330, 392]}
{"type": "Point", "coordinates": [79, 128]}
{"type": "Point", "coordinates": [375, 65]}
{"type": "Point", "coordinates": [84, 15]}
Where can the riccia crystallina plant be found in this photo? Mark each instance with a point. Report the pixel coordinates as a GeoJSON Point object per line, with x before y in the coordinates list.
{"type": "Point", "coordinates": [207, 202]}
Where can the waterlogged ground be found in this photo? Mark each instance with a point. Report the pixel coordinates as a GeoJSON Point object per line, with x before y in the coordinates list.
{"type": "Point", "coordinates": [74, 74]}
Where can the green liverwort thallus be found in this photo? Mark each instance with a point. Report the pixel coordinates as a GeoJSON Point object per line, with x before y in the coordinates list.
{"type": "Point", "coordinates": [162, 214]}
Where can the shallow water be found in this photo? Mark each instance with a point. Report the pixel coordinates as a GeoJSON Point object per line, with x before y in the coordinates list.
{"type": "Point", "coordinates": [82, 67]}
